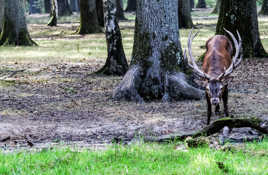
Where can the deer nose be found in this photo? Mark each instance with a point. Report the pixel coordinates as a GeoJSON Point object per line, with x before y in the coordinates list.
{"type": "Point", "coordinates": [215, 101]}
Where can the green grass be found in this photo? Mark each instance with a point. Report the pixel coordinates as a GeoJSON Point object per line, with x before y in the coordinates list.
{"type": "Point", "coordinates": [140, 159]}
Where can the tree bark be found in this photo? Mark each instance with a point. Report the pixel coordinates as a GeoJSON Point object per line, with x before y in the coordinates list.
{"type": "Point", "coordinates": [185, 18]}
{"type": "Point", "coordinates": [53, 18]}
{"type": "Point", "coordinates": [120, 11]}
{"type": "Point", "coordinates": [217, 7]}
{"type": "Point", "coordinates": [74, 5]}
{"type": "Point", "coordinates": [245, 21]}
{"type": "Point", "coordinates": [116, 63]}
{"type": "Point", "coordinates": [47, 6]}
{"type": "Point", "coordinates": [14, 31]}
{"type": "Point", "coordinates": [214, 128]}
{"type": "Point", "coordinates": [64, 8]}
{"type": "Point", "coordinates": [131, 5]}
{"type": "Point", "coordinates": [201, 4]}
{"type": "Point", "coordinates": [192, 4]}
{"type": "Point", "coordinates": [88, 18]}
{"type": "Point", "coordinates": [156, 64]}
{"type": "Point", "coordinates": [2, 3]}
{"type": "Point", "coordinates": [264, 8]}
{"type": "Point", "coordinates": [100, 13]}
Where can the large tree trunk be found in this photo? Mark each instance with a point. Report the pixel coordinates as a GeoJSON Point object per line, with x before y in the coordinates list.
{"type": "Point", "coordinates": [156, 63]}
{"type": "Point", "coordinates": [245, 21]}
{"type": "Point", "coordinates": [217, 7]}
{"type": "Point", "coordinates": [201, 4]}
{"type": "Point", "coordinates": [74, 5]}
{"type": "Point", "coordinates": [88, 17]}
{"type": "Point", "coordinates": [64, 8]}
{"type": "Point", "coordinates": [47, 6]}
{"type": "Point", "coordinates": [14, 31]}
{"type": "Point", "coordinates": [100, 13]}
{"type": "Point", "coordinates": [116, 63]}
{"type": "Point", "coordinates": [53, 14]}
{"type": "Point", "coordinates": [131, 5]}
{"type": "Point", "coordinates": [264, 8]}
{"type": "Point", "coordinates": [2, 3]}
{"type": "Point", "coordinates": [34, 6]}
{"type": "Point", "coordinates": [185, 18]}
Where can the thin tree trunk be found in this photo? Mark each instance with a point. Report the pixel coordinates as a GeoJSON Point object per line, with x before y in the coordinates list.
{"type": "Point", "coordinates": [185, 18]}
{"type": "Point", "coordinates": [156, 64]}
{"type": "Point", "coordinates": [2, 3]}
{"type": "Point", "coordinates": [120, 11]}
{"type": "Point", "coordinates": [131, 6]}
{"type": "Point", "coordinates": [74, 5]}
{"type": "Point", "coordinates": [100, 13]}
{"type": "Point", "coordinates": [264, 8]}
{"type": "Point", "coordinates": [116, 63]}
{"type": "Point", "coordinates": [217, 7]}
{"type": "Point", "coordinates": [34, 7]}
{"type": "Point", "coordinates": [53, 19]}
{"type": "Point", "coordinates": [88, 17]}
{"type": "Point", "coordinates": [201, 4]}
{"type": "Point", "coordinates": [192, 4]}
{"type": "Point", "coordinates": [47, 6]}
{"type": "Point", "coordinates": [64, 8]}
{"type": "Point", "coordinates": [245, 21]}
{"type": "Point", "coordinates": [14, 31]}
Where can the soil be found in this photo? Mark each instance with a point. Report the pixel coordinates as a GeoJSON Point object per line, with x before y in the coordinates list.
{"type": "Point", "coordinates": [65, 103]}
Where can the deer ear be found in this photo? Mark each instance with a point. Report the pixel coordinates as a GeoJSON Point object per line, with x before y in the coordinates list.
{"type": "Point", "coordinates": [227, 80]}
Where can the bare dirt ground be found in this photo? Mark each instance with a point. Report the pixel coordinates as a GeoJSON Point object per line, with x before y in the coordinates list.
{"type": "Point", "coordinates": [80, 107]}
{"type": "Point", "coordinates": [63, 102]}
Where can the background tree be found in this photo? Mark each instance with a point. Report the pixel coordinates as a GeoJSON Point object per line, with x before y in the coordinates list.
{"type": "Point", "coordinates": [201, 4]}
{"type": "Point", "coordinates": [264, 8]}
{"type": "Point", "coordinates": [192, 4]}
{"type": "Point", "coordinates": [14, 30]}
{"type": "Point", "coordinates": [216, 9]}
{"type": "Point", "coordinates": [35, 6]}
{"type": "Point", "coordinates": [88, 17]}
{"type": "Point", "coordinates": [75, 6]}
{"type": "Point", "coordinates": [2, 3]}
{"type": "Point", "coordinates": [100, 13]}
{"type": "Point", "coordinates": [53, 14]}
{"type": "Point", "coordinates": [185, 18]}
{"type": "Point", "coordinates": [131, 5]}
{"type": "Point", "coordinates": [156, 64]}
{"type": "Point", "coordinates": [64, 8]}
{"type": "Point", "coordinates": [120, 11]}
{"type": "Point", "coordinates": [47, 5]}
{"type": "Point", "coordinates": [116, 63]}
{"type": "Point", "coordinates": [242, 16]}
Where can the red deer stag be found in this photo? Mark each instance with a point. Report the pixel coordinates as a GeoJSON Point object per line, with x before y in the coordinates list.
{"type": "Point", "coordinates": [218, 64]}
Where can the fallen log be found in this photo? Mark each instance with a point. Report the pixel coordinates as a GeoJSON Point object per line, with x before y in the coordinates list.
{"type": "Point", "coordinates": [213, 128]}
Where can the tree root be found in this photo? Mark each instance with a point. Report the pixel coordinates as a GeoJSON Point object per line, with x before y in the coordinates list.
{"type": "Point", "coordinates": [213, 128]}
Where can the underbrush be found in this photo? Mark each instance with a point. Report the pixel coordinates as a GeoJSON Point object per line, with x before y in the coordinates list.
{"type": "Point", "coordinates": [251, 158]}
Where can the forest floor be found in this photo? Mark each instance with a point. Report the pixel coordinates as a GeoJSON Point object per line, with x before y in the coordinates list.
{"type": "Point", "coordinates": [48, 93]}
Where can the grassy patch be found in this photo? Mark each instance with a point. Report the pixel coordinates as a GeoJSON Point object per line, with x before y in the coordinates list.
{"type": "Point", "coordinates": [139, 159]}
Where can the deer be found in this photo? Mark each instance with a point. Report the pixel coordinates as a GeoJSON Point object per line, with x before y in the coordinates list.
{"type": "Point", "coordinates": [219, 62]}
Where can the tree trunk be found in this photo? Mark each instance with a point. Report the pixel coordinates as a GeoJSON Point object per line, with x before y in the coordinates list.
{"type": "Point", "coordinates": [47, 5]}
{"type": "Point", "coordinates": [156, 64]}
{"type": "Point", "coordinates": [2, 3]}
{"type": "Point", "coordinates": [88, 17]}
{"type": "Point", "coordinates": [217, 7]}
{"type": "Point", "coordinates": [14, 31]}
{"type": "Point", "coordinates": [245, 21]}
{"type": "Point", "coordinates": [192, 4]}
{"type": "Point", "coordinates": [120, 11]}
{"type": "Point", "coordinates": [64, 8]}
{"type": "Point", "coordinates": [185, 18]}
{"type": "Point", "coordinates": [264, 8]}
{"type": "Point", "coordinates": [116, 63]}
{"type": "Point", "coordinates": [74, 5]}
{"type": "Point", "coordinates": [131, 5]}
{"type": "Point", "coordinates": [201, 4]}
{"type": "Point", "coordinates": [34, 7]}
{"type": "Point", "coordinates": [100, 13]}
{"type": "Point", "coordinates": [53, 19]}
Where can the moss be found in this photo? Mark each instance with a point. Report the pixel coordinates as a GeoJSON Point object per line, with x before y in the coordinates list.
{"type": "Point", "coordinates": [171, 58]}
